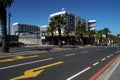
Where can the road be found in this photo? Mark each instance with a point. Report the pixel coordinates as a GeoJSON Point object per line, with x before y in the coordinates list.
{"type": "Point", "coordinates": [72, 64]}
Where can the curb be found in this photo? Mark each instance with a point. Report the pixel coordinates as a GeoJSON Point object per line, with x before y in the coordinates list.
{"type": "Point", "coordinates": [105, 75]}
{"type": "Point", "coordinates": [108, 72]}
{"type": "Point", "coordinates": [23, 53]}
{"type": "Point", "coordinates": [97, 76]}
{"type": "Point", "coordinates": [114, 68]}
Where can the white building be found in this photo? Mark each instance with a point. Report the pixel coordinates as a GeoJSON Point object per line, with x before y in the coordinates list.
{"type": "Point", "coordinates": [71, 19]}
{"type": "Point", "coordinates": [92, 24]}
{"type": "Point", "coordinates": [28, 34]}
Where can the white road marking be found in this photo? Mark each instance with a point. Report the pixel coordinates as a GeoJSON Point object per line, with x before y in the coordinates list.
{"type": "Point", "coordinates": [103, 59]}
{"type": "Point", "coordinates": [70, 54]}
{"type": "Point", "coordinates": [26, 63]}
{"type": "Point", "coordinates": [72, 77]}
{"type": "Point", "coordinates": [108, 56]}
{"type": "Point", "coordinates": [111, 54]}
{"type": "Point", "coordinates": [95, 63]}
{"type": "Point", "coordinates": [85, 51]}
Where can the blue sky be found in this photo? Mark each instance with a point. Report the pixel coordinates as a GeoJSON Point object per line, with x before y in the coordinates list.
{"type": "Point", "coordinates": [36, 12]}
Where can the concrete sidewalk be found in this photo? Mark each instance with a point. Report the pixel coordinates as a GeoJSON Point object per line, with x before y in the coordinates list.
{"type": "Point", "coordinates": [112, 72]}
{"type": "Point", "coordinates": [43, 49]}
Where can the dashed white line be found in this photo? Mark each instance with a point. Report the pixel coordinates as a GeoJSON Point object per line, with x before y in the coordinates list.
{"type": "Point", "coordinates": [70, 54]}
{"type": "Point", "coordinates": [103, 59]}
{"type": "Point", "coordinates": [95, 63]}
{"type": "Point", "coordinates": [26, 63]}
{"type": "Point", "coordinates": [85, 51]}
{"type": "Point", "coordinates": [108, 56]}
{"type": "Point", "coordinates": [72, 77]}
{"type": "Point", "coordinates": [111, 54]}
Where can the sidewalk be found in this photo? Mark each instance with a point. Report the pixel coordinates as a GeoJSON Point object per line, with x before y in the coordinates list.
{"type": "Point", "coordinates": [42, 49]}
{"type": "Point", "coordinates": [112, 72]}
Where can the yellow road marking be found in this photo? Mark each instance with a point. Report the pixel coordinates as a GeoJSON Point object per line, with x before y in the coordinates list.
{"type": "Point", "coordinates": [6, 60]}
{"type": "Point", "coordinates": [35, 71]}
{"type": "Point", "coordinates": [18, 58]}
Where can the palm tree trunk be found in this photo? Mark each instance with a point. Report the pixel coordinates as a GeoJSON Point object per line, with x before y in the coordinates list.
{"type": "Point", "coordinates": [106, 37]}
{"type": "Point", "coordinates": [52, 39]}
{"type": "Point", "coordinates": [68, 40]}
{"type": "Point", "coordinates": [5, 47]}
{"type": "Point", "coordinates": [59, 32]}
{"type": "Point", "coordinates": [82, 42]}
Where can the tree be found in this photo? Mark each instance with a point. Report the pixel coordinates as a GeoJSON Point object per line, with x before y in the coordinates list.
{"type": "Point", "coordinates": [80, 30]}
{"type": "Point", "coordinates": [66, 33]}
{"type": "Point", "coordinates": [118, 38]}
{"type": "Point", "coordinates": [59, 23]}
{"type": "Point", "coordinates": [99, 35]}
{"type": "Point", "coordinates": [118, 35]}
{"type": "Point", "coordinates": [92, 35]}
{"type": "Point", "coordinates": [106, 31]}
{"type": "Point", "coordinates": [51, 29]}
{"type": "Point", "coordinates": [3, 5]}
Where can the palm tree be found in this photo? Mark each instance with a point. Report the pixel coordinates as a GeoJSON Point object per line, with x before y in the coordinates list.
{"type": "Point", "coordinates": [118, 35]}
{"type": "Point", "coordinates": [80, 30]}
{"type": "Point", "coordinates": [59, 23]}
{"type": "Point", "coordinates": [118, 38]}
{"type": "Point", "coordinates": [51, 29]}
{"type": "Point", "coordinates": [92, 35]}
{"type": "Point", "coordinates": [66, 33]}
{"type": "Point", "coordinates": [99, 35]}
{"type": "Point", "coordinates": [3, 5]}
{"type": "Point", "coordinates": [106, 31]}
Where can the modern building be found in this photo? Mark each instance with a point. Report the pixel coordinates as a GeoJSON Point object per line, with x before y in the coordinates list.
{"type": "Point", "coordinates": [92, 24]}
{"type": "Point", "coordinates": [72, 20]}
{"type": "Point", "coordinates": [43, 29]}
{"type": "Point", "coordinates": [18, 28]}
{"type": "Point", "coordinates": [27, 32]}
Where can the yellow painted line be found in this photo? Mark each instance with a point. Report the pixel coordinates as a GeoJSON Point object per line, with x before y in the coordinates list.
{"type": "Point", "coordinates": [28, 75]}
{"type": "Point", "coordinates": [36, 71]}
{"type": "Point", "coordinates": [18, 58]}
{"type": "Point", "coordinates": [6, 60]}
{"type": "Point", "coordinates": [24, 57]}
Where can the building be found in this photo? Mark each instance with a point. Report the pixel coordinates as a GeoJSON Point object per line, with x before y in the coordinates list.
{"type": "Point", "coordinates": [72, 20]}
{"type": "Point", "coordinates": [27, 33]}
{"type": "Point", "coordinates": [19, 28]}
{"type": "Point", "coordinates": [92, 24]}
{"type": "Point", "coordinates": [43, 30]}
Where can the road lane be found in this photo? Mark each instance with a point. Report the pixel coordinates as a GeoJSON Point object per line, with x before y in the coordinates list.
{"type": "Point", "coordinates": [17, 58]}
{"type": "Point", "coordinates": [72, 64]}
{"type": "Point", "coordinates": [35, 71]}
{"type": "Point", "coordinates": [22, 64]}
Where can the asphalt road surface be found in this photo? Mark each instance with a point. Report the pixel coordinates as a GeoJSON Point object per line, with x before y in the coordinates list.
{"type": "Point", "coordinates": [73, 64]}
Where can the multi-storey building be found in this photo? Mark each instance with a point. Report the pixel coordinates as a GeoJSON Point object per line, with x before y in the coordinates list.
{"type": "Point", "coordinates": [72, 20]}
{"type": "Point", "coordinates": [28, 34]}
{"type": "Point", "coordinates": [92, 24]}
{"type": "Point", "coordinates": [22, 29]}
